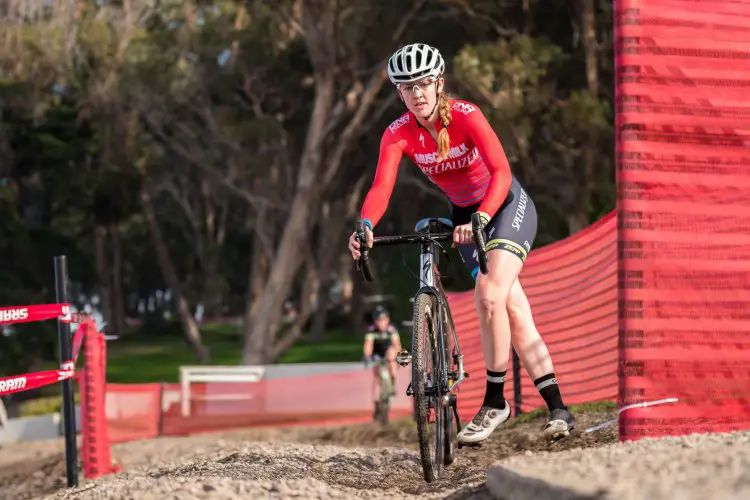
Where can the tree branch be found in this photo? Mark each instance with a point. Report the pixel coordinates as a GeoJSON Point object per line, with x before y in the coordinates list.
{"type": "Point", "coordinates": [468, 10]}
{"type": "Point", "coordinates": [221, 178]}
{"type": "Point", "coordinates": [347, 103]}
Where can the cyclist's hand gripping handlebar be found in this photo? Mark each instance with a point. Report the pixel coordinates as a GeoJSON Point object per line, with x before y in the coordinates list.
{"type": "Point", "coordinates": [477, 227]}
{"type": "Point", "coordinates": [363, 262]}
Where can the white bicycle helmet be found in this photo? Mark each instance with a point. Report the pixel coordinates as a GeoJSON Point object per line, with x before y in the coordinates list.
{"type": "Point", "coordinates": [415, 61]}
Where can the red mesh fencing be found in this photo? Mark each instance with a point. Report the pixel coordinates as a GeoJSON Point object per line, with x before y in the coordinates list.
{"type": "Point", "coordinates": [675, 262]}
{"type": "Point", "coordinates": [133, 411]}
{"type": "Point", "coordinates": [572, 289]}
{"type": "Point", "coordinates": [137, 411]}
{"type": "Point", "coordinates": [683, 129]}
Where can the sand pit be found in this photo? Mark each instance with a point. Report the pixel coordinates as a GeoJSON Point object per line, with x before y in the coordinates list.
{"type": "Point", "coordinates": [366, 461]}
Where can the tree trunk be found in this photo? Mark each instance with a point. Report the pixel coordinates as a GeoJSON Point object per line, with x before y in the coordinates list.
{"type": "Point", "coordinates": [189, 326]}
{"type": "Point", "coordinates": [319, 28]}
{"type": "Point", "coordinates": [320, 320]}
{"type": "Point", "coordinates": [212, 286]}
{"type": "Point", "coordinates": [103, 273]}
{"type": "Point", "coordinates": [118, 294]}
{"type": "Point", "coordinates": [591, 150]}
{"type": "Point", "coordinates": [527, 16]}
{"type": "Point", "coordinates": [332, 247]}
{"type": "Point", "coordinates": [577, 221]}
{"type": "Point", "coordinates": [310, 295]}
{"type": "Point", "coordinates": [287, 259]}
{"type": "Point", "coordinates": [215, 234]}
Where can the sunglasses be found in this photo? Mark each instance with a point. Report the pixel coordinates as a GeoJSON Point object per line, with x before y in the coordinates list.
{"type": "Point", "coordinates": [422, 85]}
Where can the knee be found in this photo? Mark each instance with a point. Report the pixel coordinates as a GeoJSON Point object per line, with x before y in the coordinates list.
{"type": "Point", "coordinates": [491, 296]}
{"type": "Point", "coordinates": [522, 327]}
{"type": "Point", "coordinates": [517, 307]}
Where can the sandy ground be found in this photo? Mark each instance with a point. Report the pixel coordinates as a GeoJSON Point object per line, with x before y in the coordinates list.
{"type": "Point", "coordinates": [366, 461]}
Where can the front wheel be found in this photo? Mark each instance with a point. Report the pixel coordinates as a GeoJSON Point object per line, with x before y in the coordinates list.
{"type": "Point", "coordinates": [449, 421]}
{"type": "Point", "coordinates": [428, 408]}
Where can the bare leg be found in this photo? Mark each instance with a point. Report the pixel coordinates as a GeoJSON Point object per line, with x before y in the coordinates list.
{"type": "Point", "coordinates": [375, 384]}
{"type": "Point", "coordinates": [529, 345]}
{"type": "Point", "coordinates": [491, 297]}
{"type": "Point", "coordinates": [390, 355]}
{"type": "Point", "coordinates": [533, 353]}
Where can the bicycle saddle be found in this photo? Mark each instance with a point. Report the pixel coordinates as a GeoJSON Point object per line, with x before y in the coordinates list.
{"type": "Point", "coordinates": [434, 225]}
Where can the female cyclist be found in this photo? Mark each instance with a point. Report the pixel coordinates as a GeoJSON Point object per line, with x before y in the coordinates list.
{"type": "Point", "coordinates": [453, 144]}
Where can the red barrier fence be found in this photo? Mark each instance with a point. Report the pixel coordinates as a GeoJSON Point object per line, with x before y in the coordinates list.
{"type": "Point", "coordinates": [683, 73]}
{"type": "Point", "coordinates": [651, 308]}
{"type": "Point", "coordinates": [137, 411]}
{"type": "Point", "coordinates": [95, 447]}
{"type": "Point", "coordinates": [572, 289]}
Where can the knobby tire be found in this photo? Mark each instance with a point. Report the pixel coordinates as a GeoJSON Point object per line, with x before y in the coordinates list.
{"type": "Point", "coordinates": [424, 351]}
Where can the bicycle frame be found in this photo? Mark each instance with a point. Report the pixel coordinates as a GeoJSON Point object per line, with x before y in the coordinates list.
{"type": "Point", "coordinates": [441, 391]}
{"type": "Point", "coordinates": [431, 283]}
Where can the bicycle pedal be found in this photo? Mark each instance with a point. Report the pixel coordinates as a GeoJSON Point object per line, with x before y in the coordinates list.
{"type": "Point", "coordinates": [403, 358]}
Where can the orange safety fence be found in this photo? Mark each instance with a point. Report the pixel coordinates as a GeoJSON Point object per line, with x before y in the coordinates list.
{"type": "Point", "coordinates": [137, 411]}
{"type": "Point", "coordinates": [133, 411]}
{"type": "Point", "coordinates": [95, 445]}
{"type": "Point", "coordinates": [683, 122]}
{"type": "Point", "coordinates": [572, 288]}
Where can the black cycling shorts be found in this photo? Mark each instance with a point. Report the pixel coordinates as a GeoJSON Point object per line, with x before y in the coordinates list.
{"type": "Point", "coordinates": [513, 228]}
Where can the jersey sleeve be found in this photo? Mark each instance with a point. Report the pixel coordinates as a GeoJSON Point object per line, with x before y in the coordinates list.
{"type": "Point", "coordinates": [376, 201]}
{"type": "Point", "coordinates": [492, 152]}
{"type": "Point", "coordinates": [369, 333]}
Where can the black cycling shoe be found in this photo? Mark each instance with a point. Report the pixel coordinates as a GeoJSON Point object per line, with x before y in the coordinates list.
{"type": "Point", "coordinates": [559, 424]}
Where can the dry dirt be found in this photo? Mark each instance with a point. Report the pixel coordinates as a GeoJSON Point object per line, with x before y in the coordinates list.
{"type": "Point", "coordinates": [360, 461]}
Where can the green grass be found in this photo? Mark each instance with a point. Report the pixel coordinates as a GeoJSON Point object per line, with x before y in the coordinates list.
{"type": "Point", "coordinates": [157, 359]}
{"type": "Point", "coordinates": [44, 405]}
{"type": "Point", "coordinates": [596, 406]}
{"type": "Point", "coordinates": [339, 346]}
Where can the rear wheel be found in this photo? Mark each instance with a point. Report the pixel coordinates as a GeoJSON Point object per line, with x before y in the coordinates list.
{"type": "Point", "coordinates": [429, 411]}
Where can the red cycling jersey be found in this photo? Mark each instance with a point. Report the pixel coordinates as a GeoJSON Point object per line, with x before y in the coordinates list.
{"type": "Point", "coordinates": [476, 169]}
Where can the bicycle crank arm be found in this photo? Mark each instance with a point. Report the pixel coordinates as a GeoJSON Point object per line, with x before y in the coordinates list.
{"type": "Point", "coordinates": [403, 358]}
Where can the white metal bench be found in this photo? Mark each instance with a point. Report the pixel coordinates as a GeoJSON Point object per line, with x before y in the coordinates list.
{"type": "Point", "coordinates": [228, 373]}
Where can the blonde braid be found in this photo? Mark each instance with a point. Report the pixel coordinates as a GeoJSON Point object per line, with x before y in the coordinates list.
{"type": "Point", "coordinates": [444, 140]}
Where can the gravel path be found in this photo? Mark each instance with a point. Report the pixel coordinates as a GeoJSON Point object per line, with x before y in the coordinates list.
{"type": "Point", "coordinates": [367, 461]}
{"type": "Point", "coordinates": [698, 466]}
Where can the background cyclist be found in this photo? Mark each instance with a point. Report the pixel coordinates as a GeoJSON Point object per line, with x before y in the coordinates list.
{"type": "Point", "coordinates": [381, 341]}
{"type": "Point", "coordinates": [452, 143]}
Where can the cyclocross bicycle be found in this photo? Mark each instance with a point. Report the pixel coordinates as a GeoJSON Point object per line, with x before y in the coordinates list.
{"type": "Point", "coordinates": [436, 369]}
